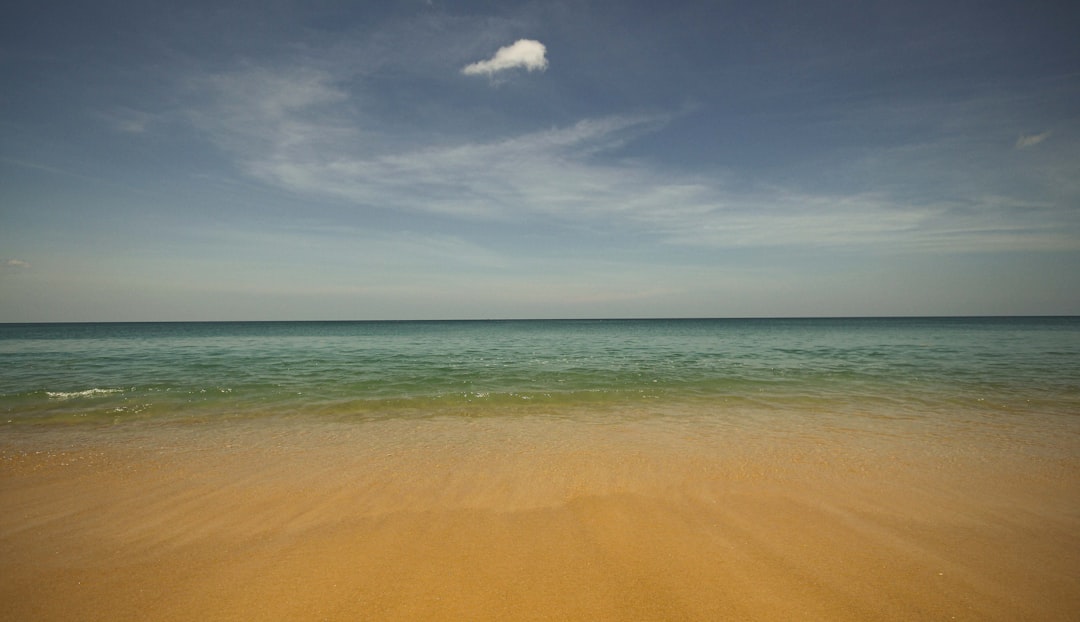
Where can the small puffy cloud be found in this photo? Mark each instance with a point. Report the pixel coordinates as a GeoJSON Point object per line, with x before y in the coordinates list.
{"type": "Point", "coordinates": [1025, 141]}
{"type": "Point", "coordinates": [525, 53]}
{"type": "Point", "coordinates": [16, 264]}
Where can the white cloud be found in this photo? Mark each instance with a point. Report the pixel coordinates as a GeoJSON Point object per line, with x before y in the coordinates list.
{"type": "Point", "coordinates": [495, 180]}
{"type": "Point", "coordinates": [260, 114]}
{"type": "Point", "coordinates": [525, 53]}
{"type": "Point", "coordinates": [1025, 141]}
{"type": "Point", "coordinates": [16, 264]}
{"type": "Point", "coordinates": [264, 96]}
{"type": "Point", "coordinates": [302, 130]}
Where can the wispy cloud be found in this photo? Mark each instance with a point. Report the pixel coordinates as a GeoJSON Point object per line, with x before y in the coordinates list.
{"type": "Point", "coordinates": [540, 172]}
{"type": "Point", "coordinates": [298, 130]}
{"type": "Point", "coordinates": [128, 120]}
{"type": "Point", "coordinates": [784, 219]}
{"type": "Point", "coordinates": [524, 53]}
{"type": "Point", "coordinates": [16, 264]}
{"type": "Point", "coordinates": [1030, 140]}
{"type": "Point", "coordinates": [255, 108]}
{"type": "Point", "coordinates": [304, 130]}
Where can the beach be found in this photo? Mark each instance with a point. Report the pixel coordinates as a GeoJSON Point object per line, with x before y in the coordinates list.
{"type": "Point", "coordinates": [558, 311]}
{"type": "Point", "coordinates": [534, 518]}
{"type": "Point", "coordinates": [819, 469]}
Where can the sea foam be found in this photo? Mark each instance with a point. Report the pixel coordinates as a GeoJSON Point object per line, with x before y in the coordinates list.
{"type": "Point", "coordinates": [67, 395]}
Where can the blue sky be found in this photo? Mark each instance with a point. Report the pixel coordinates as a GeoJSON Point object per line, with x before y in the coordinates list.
{"type": "Point", "coordinates": [434, 159]}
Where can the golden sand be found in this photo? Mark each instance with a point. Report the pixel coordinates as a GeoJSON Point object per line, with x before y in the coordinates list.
{"type": "Point", "coordinates": [537, 519]}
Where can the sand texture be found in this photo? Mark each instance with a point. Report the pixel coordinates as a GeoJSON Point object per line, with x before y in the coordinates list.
{"type": "Point", "coordinates": [529, 520]}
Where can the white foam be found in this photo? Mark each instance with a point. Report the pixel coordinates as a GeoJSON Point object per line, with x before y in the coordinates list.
{"type": "Point", "coordinates": [67, 395]}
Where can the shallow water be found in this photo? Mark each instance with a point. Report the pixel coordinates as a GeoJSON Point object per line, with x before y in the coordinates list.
{"type": "Point", "coordinates": [980, 367]}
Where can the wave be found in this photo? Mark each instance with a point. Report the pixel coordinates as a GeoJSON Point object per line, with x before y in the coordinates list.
{"type": "Point", "coordinates": [67, 395]}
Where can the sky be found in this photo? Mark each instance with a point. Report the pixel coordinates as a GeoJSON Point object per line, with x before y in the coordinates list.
{"type": "Point", "coordinates": [432, 159]}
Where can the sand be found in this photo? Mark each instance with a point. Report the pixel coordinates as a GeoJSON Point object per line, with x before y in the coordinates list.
{"type": "Point", "coordinates": [537, 519]}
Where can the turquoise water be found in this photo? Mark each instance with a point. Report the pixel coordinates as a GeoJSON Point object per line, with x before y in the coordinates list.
{"type": "Point", "coordinates": [917, 368]}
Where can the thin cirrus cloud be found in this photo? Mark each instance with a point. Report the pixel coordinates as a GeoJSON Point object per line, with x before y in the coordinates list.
{"type": "Point", "coordinates": [1026, 141]}
{"type": "Point", "coordinates": [528, 54]}
{"type": "Point", "coordinates": [15, 265]}
{"type": "Point", "coordinates": [297, 128]}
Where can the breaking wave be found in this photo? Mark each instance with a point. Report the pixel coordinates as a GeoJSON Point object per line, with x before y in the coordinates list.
{"type": "Point", "coordinates": [67, 395]}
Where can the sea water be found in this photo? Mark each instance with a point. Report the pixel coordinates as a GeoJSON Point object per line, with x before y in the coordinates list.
{"type": "Point", "coordinates": [847, 372]}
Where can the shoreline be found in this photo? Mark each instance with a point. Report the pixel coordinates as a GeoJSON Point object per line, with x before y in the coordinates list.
{"type": "Point", "coordinates": [505, 518]}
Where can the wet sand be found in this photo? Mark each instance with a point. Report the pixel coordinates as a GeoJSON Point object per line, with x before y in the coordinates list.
{"type": "Point", "coordinates": [535, 519]}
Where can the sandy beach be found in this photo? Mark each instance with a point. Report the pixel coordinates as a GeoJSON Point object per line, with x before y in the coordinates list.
{"type": "Point", "coordinates": [536, 519]}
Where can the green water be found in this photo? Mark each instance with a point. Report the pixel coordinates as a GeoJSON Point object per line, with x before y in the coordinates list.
{"type": "Point", "coordinates": [931, 368]}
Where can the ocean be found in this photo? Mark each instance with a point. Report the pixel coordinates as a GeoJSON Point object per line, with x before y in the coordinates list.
{"type": "Point", "coordinates": [1024, 371]}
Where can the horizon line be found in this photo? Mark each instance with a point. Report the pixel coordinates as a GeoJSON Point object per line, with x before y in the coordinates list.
{"type": "Point", "coordinates": [559, 319]}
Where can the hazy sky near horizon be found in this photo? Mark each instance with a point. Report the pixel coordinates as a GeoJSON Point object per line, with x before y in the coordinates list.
{"type": "Point", "coordinates": [416, 159]}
